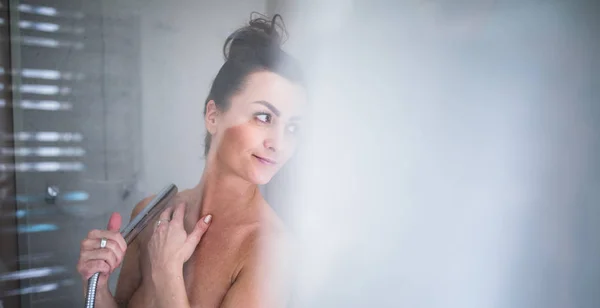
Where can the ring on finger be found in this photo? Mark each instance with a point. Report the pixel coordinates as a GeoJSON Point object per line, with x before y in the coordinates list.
{"type": "Point", "coordinates": [161, 221]}
{"type": "Point", "coordinates": [103, 242]}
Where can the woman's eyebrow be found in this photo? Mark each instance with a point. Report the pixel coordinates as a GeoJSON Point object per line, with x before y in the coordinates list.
{"type": "Point", "coordinates": [270, 106]}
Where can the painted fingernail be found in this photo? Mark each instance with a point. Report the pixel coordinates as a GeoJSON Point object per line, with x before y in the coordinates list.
{"type": "Point", "coordinates": [207, 219]}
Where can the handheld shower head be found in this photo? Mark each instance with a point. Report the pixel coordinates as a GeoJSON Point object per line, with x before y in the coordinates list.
{"type": "Point", "coordinates": [131, 231]}
{"type": "Point", "coordinates": [151, 211]}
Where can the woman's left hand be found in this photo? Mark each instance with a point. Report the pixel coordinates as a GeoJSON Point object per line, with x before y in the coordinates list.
{"type": "Point", "coordinates": [170, 246]}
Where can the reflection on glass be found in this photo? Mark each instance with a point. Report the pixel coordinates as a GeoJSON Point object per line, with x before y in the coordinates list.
{"type": "Point", "coordinates": [43, 167]}
{"type": "Point", "coordinates": [45, 105]}
{"type": "Point", "coordinates": [39, 41]}
{"type": "Point", "coordinates": [40, 10]}
{"type": "Point", "coordinates": [45, 136]}
{"type": "Point", "coordinates": [46, 27]}
{"type": "Point", "coordinates": [32, 273]}
{"type": "Point", "coordinates": [45, 74]}
{"type": "Point", "coordinates": [66, 196]}
{"type": "Point", "coordinates": [40, 26]}
{"type": "Point", "coordinates": [34, 228]}
{"type": "Point", "coordinates": [39, 288]}
{"type": "Point", "coordinates": [42, 74]}
{"type": "Point", "coordinates": [46, 211]}
{"type": "Point", "coordinates": [49, 74]}
{"type": "Point", "coordinates": [50, 43]}
{"type": "Point", "coordinates": [40, 89]}
{"type": "Point", "coordinates": [43, 151]}
{"type": "Point", "coordinates": [36, 257]}
{"type": "Point", "coordinates": [20, 214]}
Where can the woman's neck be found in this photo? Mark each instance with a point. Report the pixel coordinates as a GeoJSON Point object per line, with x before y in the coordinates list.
{"type": "Point", "coordinates": [224, 194]}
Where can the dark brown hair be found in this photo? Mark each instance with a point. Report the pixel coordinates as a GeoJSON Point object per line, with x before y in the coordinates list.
{"type": "Point", "coordinates": [253, 48]}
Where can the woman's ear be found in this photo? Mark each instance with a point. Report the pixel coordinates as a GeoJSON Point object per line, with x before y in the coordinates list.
{"type": "Point", "coordinates": [211, 117]}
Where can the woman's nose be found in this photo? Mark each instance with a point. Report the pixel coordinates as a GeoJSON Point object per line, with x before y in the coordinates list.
{"type": "Point", "coordinates": [274, 140]}
{"type": "Point", "coordinates": [271, 144]}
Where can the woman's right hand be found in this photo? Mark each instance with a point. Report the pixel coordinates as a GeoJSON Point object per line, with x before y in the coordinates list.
{"type": "Point", "coordinates": [94, 259]}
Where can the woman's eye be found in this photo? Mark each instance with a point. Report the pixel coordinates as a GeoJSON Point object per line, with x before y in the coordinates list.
{"type": "Point", "coordinates": [292, 129]}
{"type": "Point", "coordinates": [264, 117]}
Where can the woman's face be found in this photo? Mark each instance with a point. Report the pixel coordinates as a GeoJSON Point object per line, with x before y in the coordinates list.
{"type": "Point", "coordinates": [257, 135]}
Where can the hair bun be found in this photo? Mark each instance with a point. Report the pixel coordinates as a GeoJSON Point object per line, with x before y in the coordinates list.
{"type": "Point", "coordinates": [260, 35]}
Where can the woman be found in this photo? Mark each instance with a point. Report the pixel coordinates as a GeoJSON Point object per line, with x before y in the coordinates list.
{"type": "Point", "coordinates": [251, 117]}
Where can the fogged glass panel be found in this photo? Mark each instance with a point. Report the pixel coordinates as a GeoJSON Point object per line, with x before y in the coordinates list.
{"type": "Point", "coordinates": [75, 101]}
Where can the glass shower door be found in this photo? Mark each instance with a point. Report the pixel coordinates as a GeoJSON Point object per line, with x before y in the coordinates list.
{"type": "Point", "coordinates": [75, 139]}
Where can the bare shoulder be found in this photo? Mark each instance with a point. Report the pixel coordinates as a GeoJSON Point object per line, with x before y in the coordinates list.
{"type": "Point", "coordinates": [183, 196]}
{"type": "Point", "coordinates": [141, 205]}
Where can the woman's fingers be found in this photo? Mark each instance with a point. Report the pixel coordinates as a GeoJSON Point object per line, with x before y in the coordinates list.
{"type": "Point", "coordinates": [114, 222]}
{"type": "Point", "coordinates": [96, 259]}
{"type": "Point", "coordinates": [89, 268]}
{"type": "Point", "coordinates": [103, 254]}
{"type": "Point", "coordinates": [166, 214]}
{"type": "Point", "coordinates": [92, 244]}
{"type": "Point", "coordinates": [201, 226]}
{"type": "Point", "coordinates": [116, 237]}
{"type": "Point", "coordinates": [179, 212]}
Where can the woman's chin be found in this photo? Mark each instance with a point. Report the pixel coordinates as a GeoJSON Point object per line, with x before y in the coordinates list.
{"type": "Point", "coordinates": [260, 178]}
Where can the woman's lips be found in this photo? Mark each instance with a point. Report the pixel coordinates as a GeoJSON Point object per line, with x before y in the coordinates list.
{"type": "Point", "coordinates": [265, 160]}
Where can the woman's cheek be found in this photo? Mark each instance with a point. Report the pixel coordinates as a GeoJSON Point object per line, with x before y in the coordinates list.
{"type": "Point", "coordinates": [242, 138]}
